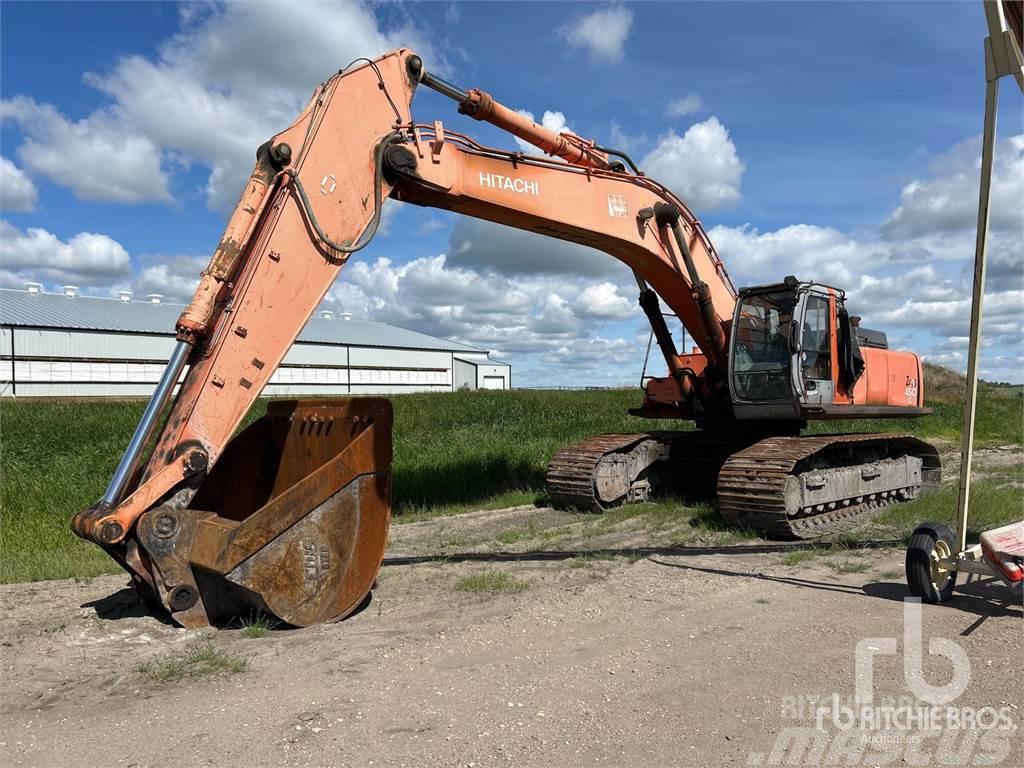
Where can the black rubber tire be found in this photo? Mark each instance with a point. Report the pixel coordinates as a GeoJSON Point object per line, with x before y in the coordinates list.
{"type": "Point", "coordinates": [919, 556]}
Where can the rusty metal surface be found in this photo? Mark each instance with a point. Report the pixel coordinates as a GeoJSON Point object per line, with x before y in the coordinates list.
{"type": "Point", "coordinates": [571, 473]}
{"type": "Point", "coordinates": [321, 568]}
{"type": "Point", "coordinates": [292, 520]}
{"type": "Point", "coordinates": [752, 483]}
{"type": "Point", "coordinates": [756, 475]}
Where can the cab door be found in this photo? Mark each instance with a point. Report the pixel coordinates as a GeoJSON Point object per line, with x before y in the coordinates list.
{"type": "Point", "coordinates": [815, 349]}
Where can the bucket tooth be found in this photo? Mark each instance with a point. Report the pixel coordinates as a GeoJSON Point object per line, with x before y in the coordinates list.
{"type": "Point", "coordinates": [292, 520]}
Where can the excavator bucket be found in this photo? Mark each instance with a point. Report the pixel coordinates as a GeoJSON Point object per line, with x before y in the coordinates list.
{"type": "Point", "coordinates": [291, 521]}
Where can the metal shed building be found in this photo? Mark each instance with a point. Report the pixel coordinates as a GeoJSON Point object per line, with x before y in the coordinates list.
{"type": "Point", "coordinates": [68, 345]}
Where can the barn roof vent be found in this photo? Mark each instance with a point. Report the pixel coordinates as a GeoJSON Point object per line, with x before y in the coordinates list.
{"type": "Point", "coordinates": [34, 287]}
{"type": "Point", "coordinates": [124, 296]}
{"type": "Point", "coordinates": [70, 290]}
{"type": "Point", "coordinates": [346, 315]}
{"type": "Point", "coordinates": [326, 314]}
{"type": "Point", "coordinates": [154, 298]}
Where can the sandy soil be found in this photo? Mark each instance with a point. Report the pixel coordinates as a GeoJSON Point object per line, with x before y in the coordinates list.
{"type": "Point", "coordinates": [687, 656]}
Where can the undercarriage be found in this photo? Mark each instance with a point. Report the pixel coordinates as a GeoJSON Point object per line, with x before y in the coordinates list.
{"type": "Point", "coordinates": [790, 486]}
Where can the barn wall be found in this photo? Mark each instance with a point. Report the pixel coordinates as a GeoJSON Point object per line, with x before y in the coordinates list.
{"type": "Point", "coordinates": [59, 363]}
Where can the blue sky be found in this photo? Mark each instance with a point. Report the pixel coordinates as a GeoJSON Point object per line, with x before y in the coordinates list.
{"type": "Point", "coordinates": [835, 141]}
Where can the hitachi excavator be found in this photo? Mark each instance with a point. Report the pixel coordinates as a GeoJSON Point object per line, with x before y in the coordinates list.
{"type": "Point", "coordinates": [291, 515]}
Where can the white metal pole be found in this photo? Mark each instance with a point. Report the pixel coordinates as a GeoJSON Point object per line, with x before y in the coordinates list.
{"type": "Point", "coordinates": [977, 297]}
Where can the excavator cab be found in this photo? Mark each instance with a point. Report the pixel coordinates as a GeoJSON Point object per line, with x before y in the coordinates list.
{"type": "Point", "coordinates": [793, 348]}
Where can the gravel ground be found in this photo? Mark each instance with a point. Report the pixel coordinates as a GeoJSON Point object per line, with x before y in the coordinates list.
{"type": "Point", "coordinates": [711, 657]}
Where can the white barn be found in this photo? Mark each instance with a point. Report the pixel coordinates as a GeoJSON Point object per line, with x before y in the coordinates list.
{"type": "Point", "coordinates": [68, 345]}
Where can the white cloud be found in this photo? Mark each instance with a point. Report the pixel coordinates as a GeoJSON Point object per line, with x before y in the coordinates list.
{"type": "Point", "coordinates": [234, 75]}
{"type": "Point", "coordinates": [86, 259]}
{"type": "Point", "coordinates": [923, 282]}
{"type": "Point", "coordinates": [96, 263]}
{"type": "Point", "coordinates": [17, 192]}
{"type": "Point", "coordinates": [806, 251]}
{"type": "Point", "coordinates": [955, 360]}
{"type": "Point", "coordinates": [615, 354]}
{"type": "Point", "coordinates": [948, 317]}
{"type": "Point", "coordinates": [687, 105]}
{"type": "Point", "coordinates": [602, 34]}
{"type": "Point", "coordinates": [701, 166]}
{"type": "Point", "coordinates": [603, 300]}
{"type": "Point", "coordinates": [96, 157]}
{"type": "Point", "coordinates": [521, 319]}
{"type": "Point", "coordinates": [173, 277]}
{"type": "Point", "coordinates": [922, 296]}
{"type": "Point", "coordinates": [948, 201]}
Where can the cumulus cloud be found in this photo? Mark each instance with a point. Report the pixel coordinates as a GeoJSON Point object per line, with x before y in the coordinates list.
{"type": "Point", "coordinates": [912, 277]}
{"type": "Point", "coordinates": [435, 297]}
{"type": "Point", "coordinates": [934, 224]}
{"type": "Point", "coordinates": [604, 300]}
{"type": "Point", "coordinates": [94, 262]}
{"type": "Point", "coordinates": [87, 259]}
{"type": "Point", "coordinates": [807, 251]}
{"type": "Point", "coordinates": [925, 296]}
{"type": "Point", "coordinates": [924, 283]}
{"type": "Point", "coordinates": [1005, 263]}
{"type": "Point", "coordinates": [235, 74]}
{"type": "Point", "coordinates": [173, 277]}
{"type": "Point", "coordinates": [948, 200]}
{"type": "Point", "coordinates": [17, 192]}
{"type": "Point", "coordinates": [948, 317]}
{"type": "Point", "coordinates": [602, 34]}
{"type": "Point", "coordinates": [523, 318]}
{"type": "Point", "coordinates": [614, 353]}
{"type": "Point", "coordinates": [97, 158]}
{"type": "Point", "coordinates": [687, 105]}
{"type": "Point", "coordinates": [701, 166]}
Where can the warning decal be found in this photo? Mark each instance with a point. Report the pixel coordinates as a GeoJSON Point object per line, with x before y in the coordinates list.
{"type": "Point", "coordinates": [617, 206]}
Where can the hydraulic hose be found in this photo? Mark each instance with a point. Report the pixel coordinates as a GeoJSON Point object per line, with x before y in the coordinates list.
{"type": "Point", "coordinates": [371, 229]}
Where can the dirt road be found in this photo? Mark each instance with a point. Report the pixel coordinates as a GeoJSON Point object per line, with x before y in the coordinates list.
{"type": "Point", "coordinates": [684, 657]}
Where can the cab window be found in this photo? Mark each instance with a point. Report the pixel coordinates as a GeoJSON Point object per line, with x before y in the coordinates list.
{"type": "Point", "coordinates": [761, 352]}
{"type": "Point", "coordinates": [816, 342]}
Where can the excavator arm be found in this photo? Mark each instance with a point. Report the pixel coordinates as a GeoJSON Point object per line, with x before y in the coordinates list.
{"type": "Point", "coordinates": [315, 196]}
{"type": "Point", "coordinates": [628, 216]}
{"type": "Point", "coordinates": [307, 470]}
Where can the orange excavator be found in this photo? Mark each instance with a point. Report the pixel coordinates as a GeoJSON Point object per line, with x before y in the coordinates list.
{"type": "Point", "coordinates": [291, 515]}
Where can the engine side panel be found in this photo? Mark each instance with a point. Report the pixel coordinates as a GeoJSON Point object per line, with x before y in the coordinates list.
{"type": "Point", "coordinates": [890, 378]}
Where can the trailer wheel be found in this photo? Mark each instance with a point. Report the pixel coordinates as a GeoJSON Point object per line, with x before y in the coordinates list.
{"type": "Point", "coordinates": [926, 578]}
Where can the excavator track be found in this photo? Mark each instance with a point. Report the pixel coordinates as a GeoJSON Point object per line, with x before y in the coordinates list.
{"type": "Point", "coordinates": [784, 487]}
{"type": "Point", "coordinates": [808, 487]}
{"type": "Point", "coordinates": [595, 474]}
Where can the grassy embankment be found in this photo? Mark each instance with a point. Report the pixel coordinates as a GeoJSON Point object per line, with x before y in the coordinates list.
{"type": "Point", "coordinates": [453, 452]}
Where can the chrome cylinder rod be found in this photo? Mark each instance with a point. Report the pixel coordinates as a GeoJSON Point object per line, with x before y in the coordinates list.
{"type": "Point", "coordinates": [144, 431]}
{"type": "Point", "coordinates": [415, 65]}
{"type": "Point", "coordinates": [444, 87]}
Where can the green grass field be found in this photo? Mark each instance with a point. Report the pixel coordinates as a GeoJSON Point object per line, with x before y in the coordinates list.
{"type": "Point", "coordinates": [453, 452]}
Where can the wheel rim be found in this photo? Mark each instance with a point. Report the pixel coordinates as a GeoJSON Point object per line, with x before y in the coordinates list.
{"type": "Point", "coordinates": [940, 575]}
